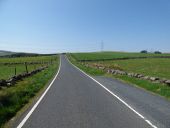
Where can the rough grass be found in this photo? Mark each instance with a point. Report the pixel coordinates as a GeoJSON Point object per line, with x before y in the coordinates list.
{"type": "Point", "coordinates": [156, 88]}
{"type": "Point", "coordinates": [12, 99]}
{"type": "Point", "coordinates": [27, 59]}
{"type": "Point", "coordinates": [111, 55]}
{"type": "Point", "coordinates": [158, 67]}
{"type": "Point", "coordinates": [89, 70]}
{"type": "Point", "coordinates": [6, 71]}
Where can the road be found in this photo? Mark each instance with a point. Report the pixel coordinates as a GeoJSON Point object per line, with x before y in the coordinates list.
{"type": "Point", "coordinates": [75, 100]}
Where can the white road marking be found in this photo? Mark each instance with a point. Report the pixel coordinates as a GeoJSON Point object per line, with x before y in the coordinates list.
{"type": "Point", "coordinates": [37, 103]}
{"type": "Point", "coordinates": [126, 104]}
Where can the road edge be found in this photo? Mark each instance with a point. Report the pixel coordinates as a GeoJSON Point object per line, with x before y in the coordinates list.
{"type": "Point", "coordinates": [117, 97]}
{"type": "Point", "coordinates": [20, 125]}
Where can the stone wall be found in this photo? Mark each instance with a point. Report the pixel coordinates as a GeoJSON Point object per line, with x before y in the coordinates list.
{"type": "Point", "coordinates": [123, 58]}
{"type": "Point", "coordinates": [11, 81]}
{"type": "Point", "coordinates": [130, 74]}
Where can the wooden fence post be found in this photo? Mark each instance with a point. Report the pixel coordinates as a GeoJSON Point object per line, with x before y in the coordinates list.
{"type": "Point", "coordinates": [15, 71]}
{"type": "Point", "coordinates": [34, 66]}
{"type": "Point", "coordinates": [26, 67]}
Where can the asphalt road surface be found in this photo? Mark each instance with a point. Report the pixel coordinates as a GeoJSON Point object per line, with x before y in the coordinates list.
{"type": "Point", "coordinates": [76, 101]}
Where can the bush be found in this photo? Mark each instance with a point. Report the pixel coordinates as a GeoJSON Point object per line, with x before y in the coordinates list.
{"type": "Point", "coordinates": [158, 52]}
{"type": "Point", "coordinates": [144, 51]}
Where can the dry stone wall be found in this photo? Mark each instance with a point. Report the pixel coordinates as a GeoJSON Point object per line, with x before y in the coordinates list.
{"type": "Point", "coordinates": [130, 74]}
{"type": "Point", "coordinates": [11, 81]}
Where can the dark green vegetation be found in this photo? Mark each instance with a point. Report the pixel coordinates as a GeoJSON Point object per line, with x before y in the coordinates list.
{"type": "Point", "coordinates": [13, 98]}
{"type": "Point", "coordinates": [150, 66]}
{"type": "Point", "coordinates": [112, 55]}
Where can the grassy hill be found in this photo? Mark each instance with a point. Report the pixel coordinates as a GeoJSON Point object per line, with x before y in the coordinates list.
{"type": "Point", "coordinates": [113, 55]}
{"type": "Point", "coordinates": [5, 53]}
{"type": "Point", "coordinates": [9, 54]}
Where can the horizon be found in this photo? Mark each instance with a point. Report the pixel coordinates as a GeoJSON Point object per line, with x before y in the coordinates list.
{"type": "Point", "coordinates": [57, 26]}
{"type": "Point", "coordinates": [148, 52]}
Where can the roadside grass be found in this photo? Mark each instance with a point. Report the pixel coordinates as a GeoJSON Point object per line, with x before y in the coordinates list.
{"type": "Point", "coordinates": [157, 67]}
{"type": "Point", "coordinates": [157, 88]}
{"type": "Point", "coordinates": [89, 70]}
{"type": "Point", "coordinates": [27, 59]}
{"type": "Point", "coordinates": [111, 55]}
{"type": "Point", "coordinates": [8, 70]}
{"type": "Point", "coordinates": [12, 99]}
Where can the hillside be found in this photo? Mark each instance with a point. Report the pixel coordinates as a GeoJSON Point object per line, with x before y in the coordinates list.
{"type": "Point", "coordinates": [4, 53]}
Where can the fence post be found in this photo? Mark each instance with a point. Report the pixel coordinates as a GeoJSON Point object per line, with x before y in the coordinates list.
{"type": "Point", "coordinates": [26, 67]}
{"type": "Point", "coordinates": [34, 66]}
{"type": "Point", "coordinates": [15, 71]}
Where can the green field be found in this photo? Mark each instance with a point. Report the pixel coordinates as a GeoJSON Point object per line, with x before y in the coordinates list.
{"type": "Point", "coordinates": [7, 71]}
{"type": "Point", "coordinates": [13, 98]}
{"type": "Point", "coordinates": [27, 59]}
{"type": "Point", "coordinates": [158, 67]}
{"type": "Point", "coordinates": [111, 55]}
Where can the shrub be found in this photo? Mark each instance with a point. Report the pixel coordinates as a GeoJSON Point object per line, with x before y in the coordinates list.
{"type": "Point", "coordinates": [158, 52]}
{"type": "Point", "coordinates": [144, 51]}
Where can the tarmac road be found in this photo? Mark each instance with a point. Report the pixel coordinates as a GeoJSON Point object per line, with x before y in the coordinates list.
{"type": "Point", "coordinates": [75, 100]}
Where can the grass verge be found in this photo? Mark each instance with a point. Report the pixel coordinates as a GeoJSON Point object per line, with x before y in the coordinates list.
{"type": "Point", "coordinates": [157, 88]}
{"type": "Point", "coordinates": [91, 71]}
{"type": "Point", "coordinates": [14, 98]}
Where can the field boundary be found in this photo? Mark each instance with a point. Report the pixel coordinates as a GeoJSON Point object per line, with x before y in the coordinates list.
{"type": "Point", "coordinates": [117, 97]}
{"type": "Point", "coordinates": [12, 81]}
{"type": "Point", "coordinates": [130, 74]}
{"type": "Point", "coordinates": [123, 58]}
{"type": "Point", "coordinates": [39, 100]}
{"type": "Point", "coordinates": [150, 85]}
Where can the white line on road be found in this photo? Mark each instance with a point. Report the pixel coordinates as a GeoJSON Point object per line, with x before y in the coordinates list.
{"type": "Point", "coordinates": [126, 104]}
{"type": "Point", "coordinates": [37, 103]}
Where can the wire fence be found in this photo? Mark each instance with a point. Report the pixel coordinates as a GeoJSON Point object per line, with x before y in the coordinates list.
{"type": "Point", "coordinates": [8, 70]}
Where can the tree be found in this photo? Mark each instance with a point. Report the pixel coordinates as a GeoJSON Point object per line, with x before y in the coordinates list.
{"type": "Point", "coordinates": [144, 51]}
{"type": "Point", "coordinates": [158, 52]}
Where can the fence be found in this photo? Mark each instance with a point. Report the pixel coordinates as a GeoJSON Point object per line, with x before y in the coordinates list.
{"type": "Point", "coordinates": [122, 58]}
{"type": "Point", "coordinates": [13, 69]}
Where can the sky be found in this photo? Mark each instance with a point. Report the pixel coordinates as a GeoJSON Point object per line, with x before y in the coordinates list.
{"type": "Point", "coordinates": [52, 26]}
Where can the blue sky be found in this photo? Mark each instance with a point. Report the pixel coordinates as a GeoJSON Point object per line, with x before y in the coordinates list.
{"type": "Point", "coordinates": [49, 26]}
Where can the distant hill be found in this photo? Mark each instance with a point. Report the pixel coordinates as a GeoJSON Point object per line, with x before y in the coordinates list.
{"type": "Point", "coordinates": [10, 54]}
{"type": "Point", "coordinates": [27, 55]}
{"type": "Point", "coordinates": [5, 53]}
